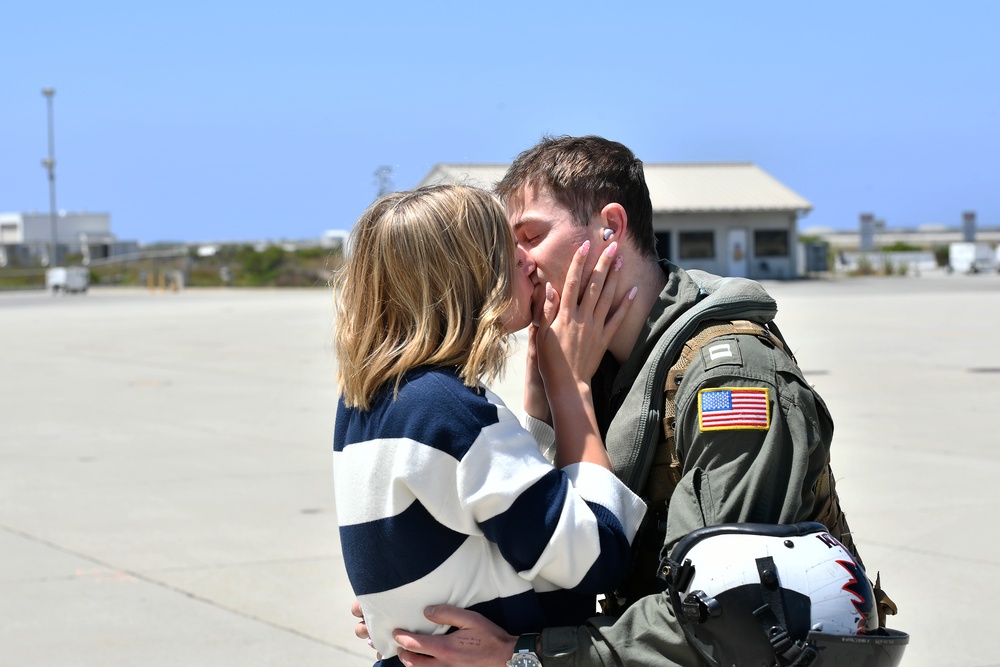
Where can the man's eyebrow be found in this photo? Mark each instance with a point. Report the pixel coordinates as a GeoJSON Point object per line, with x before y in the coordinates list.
{"type": "Point", "coordinates": [525, 220]}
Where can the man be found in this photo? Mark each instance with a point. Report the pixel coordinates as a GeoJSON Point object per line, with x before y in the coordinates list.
{"type": "Point", "coordinates": [703, 410]}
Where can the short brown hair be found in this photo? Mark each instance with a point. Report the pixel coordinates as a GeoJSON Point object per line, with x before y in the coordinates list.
{"type": "Point", "coordinates": [426, 282]}
{"type": "Point", "coordinates": [584, 174]}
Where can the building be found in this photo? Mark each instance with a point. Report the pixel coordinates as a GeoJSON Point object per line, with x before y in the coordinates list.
{"type": "Point", "coordinates": [923, 236]}
{"type": "Point", "coordinates": [27, 237]}
{"type": "Point", "coordinates": [728, 218]}
{"type": "Point", "coordinates": [334, 238]}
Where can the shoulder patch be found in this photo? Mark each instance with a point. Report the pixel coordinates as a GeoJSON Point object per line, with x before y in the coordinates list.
{"type": "Point", "coordinates": [721, 352]}
{"type": "Point", "coordinates": [734, 408]}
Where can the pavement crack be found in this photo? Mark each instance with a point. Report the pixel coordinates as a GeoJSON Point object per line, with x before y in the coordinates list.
{"type": "Point", "coordinates": [156, 582]}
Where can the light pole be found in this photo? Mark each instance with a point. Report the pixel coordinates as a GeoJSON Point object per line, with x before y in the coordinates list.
{"type": "Point", "coordinates": [50, 164]}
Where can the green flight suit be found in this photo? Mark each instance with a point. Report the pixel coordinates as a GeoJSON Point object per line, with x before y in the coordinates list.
{"type": "Point", "coordinates": [765, 476]}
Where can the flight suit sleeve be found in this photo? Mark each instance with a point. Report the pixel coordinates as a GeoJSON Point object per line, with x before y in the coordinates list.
{"type": "Point", "coordinates": [646, 634]}
{"type": "Point", "coordinates": [740, 466]}
{"type": "Point", "coordinates": [762, 474]}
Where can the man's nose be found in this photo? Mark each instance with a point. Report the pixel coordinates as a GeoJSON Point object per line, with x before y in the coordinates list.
{"type": "Point", "coordinates": [528, 264]}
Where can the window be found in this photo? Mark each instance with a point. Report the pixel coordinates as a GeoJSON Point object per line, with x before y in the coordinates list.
{"type": "Point", "coordinates": [696, 245]}
{"type": "Point", "coordinates": [770, 243]}
{"type": "Point", "coordinates": [663, 245]}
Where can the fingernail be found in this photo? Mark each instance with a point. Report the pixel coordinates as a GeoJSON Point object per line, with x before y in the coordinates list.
{"type": "Point", "coordinates": [429, 611]}
{"type": "Point", "coordinates": [611, 249]}
{"type": "Point", "coordinates": [371, 643]}
{"type": "Point", "coordinates": [550, 293]}
{"type": "Point", "coordinates": [585, 248]}
{"type": "Point", "coordinates": [618, 264]}
{"type": "Point", "coordinates": [632, 292]}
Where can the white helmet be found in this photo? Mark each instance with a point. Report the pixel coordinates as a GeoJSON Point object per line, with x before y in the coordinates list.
{"type": "Point", "coordinates": [762, 595]}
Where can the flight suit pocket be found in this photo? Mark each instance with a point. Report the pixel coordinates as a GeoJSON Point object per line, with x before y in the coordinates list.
{"type": "Point", "coordinates": [691, 506]}
{"type": "Point", "coordinates": [703, 493]}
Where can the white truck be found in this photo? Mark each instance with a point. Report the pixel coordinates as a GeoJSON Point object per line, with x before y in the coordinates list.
{"type": "Point", "coordinates": [68, 279]}
{"type": "Point", "coordinates": [968, 257]}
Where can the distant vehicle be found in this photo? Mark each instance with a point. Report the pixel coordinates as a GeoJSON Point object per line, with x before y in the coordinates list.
{"type": "Point", "coordinates": [68, 280]}
{"type": "Point", "coordinates": [971, 258]}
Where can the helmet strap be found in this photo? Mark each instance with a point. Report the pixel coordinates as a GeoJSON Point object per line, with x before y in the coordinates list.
{"type": "Point", "coordinates": [771, 616]}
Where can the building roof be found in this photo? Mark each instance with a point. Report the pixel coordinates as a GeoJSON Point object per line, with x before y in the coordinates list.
{"type": "Point", "coordinates": [673, 187]}
{"type": "Point", "coordinates": [478, 175]}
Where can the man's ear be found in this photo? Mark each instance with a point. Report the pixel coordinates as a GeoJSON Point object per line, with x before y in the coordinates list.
{"type": "Point", "coordinates": [614, 217]}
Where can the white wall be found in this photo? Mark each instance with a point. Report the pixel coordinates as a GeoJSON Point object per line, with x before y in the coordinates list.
{"type": "Point", "coordinates": [720, 224]}
{"type": "Point", "coordinates": [69, 226]}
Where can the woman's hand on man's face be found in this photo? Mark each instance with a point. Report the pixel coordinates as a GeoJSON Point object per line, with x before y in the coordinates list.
{"type": "Point", "coordinates": [577, 326]}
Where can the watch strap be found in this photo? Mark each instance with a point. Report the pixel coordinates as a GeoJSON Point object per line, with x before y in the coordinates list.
{"type": "Point", "coordinates": [526, 643]}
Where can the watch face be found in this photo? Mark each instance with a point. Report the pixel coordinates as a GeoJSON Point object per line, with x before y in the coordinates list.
{"type": "Point", "coordinates": [524, 660]}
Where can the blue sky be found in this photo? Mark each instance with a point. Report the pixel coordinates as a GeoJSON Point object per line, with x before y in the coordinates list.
{"type": "Point", "coordinates": [249, 120]}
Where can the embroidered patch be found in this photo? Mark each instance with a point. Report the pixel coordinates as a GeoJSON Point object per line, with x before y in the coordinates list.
{"type": "Point", "coordinates": [734, 408]}
{"type": "Point", "coordinates": [719, 352]}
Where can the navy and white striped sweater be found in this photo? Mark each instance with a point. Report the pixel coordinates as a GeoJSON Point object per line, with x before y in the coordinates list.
{"type": "Point", "coordinates": [443, 497]}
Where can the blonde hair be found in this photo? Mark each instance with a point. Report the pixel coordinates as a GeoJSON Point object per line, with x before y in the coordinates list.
{"type": "Point", "coordinates": [426, 282]}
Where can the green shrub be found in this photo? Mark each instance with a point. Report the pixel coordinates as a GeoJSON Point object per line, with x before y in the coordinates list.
{"type": "Point", "coordinates": [260, 268]}
{"type": "Point", "coordinates": [901, 246]}
{"type": "Point", "coordinates": [865, 267]}
{"type": "Point", "coordinates": [941, 255]}
{"type": "Point", "coordinates": [311, 253]}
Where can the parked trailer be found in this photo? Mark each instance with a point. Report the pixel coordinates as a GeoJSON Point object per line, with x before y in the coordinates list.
{"type": "Point", "coordinates": [68, 280]}
{"type": "Point", "coordinates": [971, 258]}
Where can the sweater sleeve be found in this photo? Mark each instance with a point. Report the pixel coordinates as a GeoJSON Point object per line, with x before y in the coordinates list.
{"type": "Point", "coordinates": [446, 472]}
{"type": "Point", "coordinates": [571, 527]}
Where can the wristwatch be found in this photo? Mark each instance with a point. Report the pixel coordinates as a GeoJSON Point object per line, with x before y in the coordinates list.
{"type": "Point", "coordinates": [524, 652]}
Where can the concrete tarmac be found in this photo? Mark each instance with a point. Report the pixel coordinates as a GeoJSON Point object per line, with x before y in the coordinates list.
{"type": "Point", "coordinates": [166, 486]}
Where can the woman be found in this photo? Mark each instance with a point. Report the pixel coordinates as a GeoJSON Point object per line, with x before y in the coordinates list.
{"type": "Point", "coordinates": [442, 496]}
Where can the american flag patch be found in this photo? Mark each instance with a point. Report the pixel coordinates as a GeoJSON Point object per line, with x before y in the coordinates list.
{"type": "Point", "coordinates": [732, 408]}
